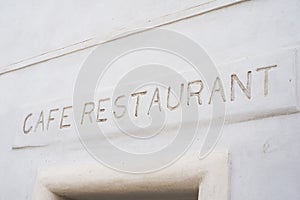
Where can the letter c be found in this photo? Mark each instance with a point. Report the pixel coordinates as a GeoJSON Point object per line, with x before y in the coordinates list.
{"type": "Point", "coordinates": [28, 130]}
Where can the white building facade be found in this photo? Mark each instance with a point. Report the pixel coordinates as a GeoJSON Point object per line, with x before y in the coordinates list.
{"type": "Point", "coordinates": [252, 44]}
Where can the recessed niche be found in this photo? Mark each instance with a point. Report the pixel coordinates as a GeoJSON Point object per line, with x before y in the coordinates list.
{"type": "Point", "coordinates": [188, 179]}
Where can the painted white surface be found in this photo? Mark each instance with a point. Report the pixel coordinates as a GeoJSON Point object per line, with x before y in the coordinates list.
{"type": "Point", "coordinates": [281, 97]}
{"type": "Point", "coordinates": [264, 153]}
{"type": "Point", "coordinates": [200, 7]}
{"type": "Point", "coordinates": [75, 22]}
{"type": "Point", "coordinates": [186, 179]}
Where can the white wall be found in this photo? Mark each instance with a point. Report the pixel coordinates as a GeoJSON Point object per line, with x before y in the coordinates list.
{"type": "Point", "coordinates": [264, 152]}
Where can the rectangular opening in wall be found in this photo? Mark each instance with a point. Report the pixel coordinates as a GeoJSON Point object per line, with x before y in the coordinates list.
{"type": "Point", "coordinates": [188, 179]}
{"type": "Point", "coordinates": [161, 195]}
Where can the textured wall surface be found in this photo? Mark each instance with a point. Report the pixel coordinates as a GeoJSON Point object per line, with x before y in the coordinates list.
{"type": "Point", "coordinates": [44, 44]}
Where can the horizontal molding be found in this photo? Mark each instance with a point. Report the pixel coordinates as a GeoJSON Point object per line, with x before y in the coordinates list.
{"type": "Point", "coordinates": [188, 178]}
{"type": "Point", "coordinates": [198, 10]}
{"type": "Point", "coordinates": [281, 99]}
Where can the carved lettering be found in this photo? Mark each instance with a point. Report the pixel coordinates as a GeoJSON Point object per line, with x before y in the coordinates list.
{"type": "Point", "coordinates": [26, 131]}
{"type": "Point", "coordinates": [100, 109]}
{"type": "Point", "coordinates": [63, 116]}
{"type": "Point", "coordinates": [194, 93]}
{"type": "Point", "coordinates": [246, 90]}
{"type": "Point", "coordinates": [137, 95]}
{"type": "Point", "coordinates": [89, 113]}
{"type": "Point", "coordinates": [180, 98]}
{"type": "Point", "coordinates": [155, 99]}
{"type": "Point", "coordinates": [266, 79]}
{"type": "Point", "coordinates": [218, 87]}
{"type": "Point", "coordinates": [119, 106]}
